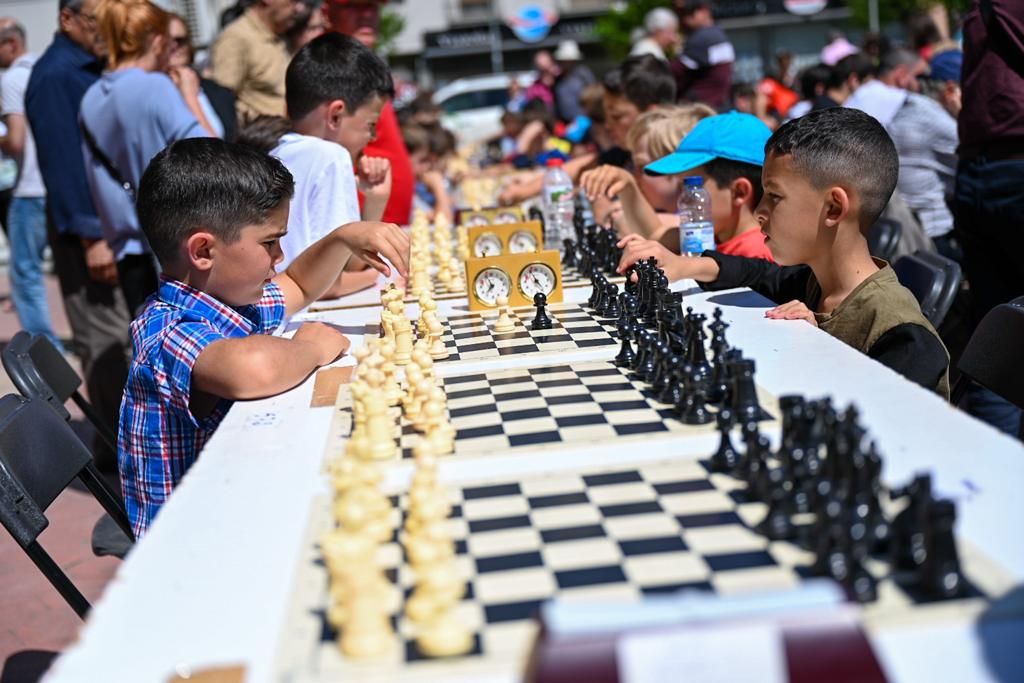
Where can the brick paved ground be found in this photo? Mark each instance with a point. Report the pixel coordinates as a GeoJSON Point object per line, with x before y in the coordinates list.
{"type": "Point", "coordinates": [33, 616]}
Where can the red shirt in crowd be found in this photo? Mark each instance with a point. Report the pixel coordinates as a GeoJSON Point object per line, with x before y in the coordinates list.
{"type": "Point", "coordinates": [750, 244]}
{"type": "Point", "coordinates": [389, 145]}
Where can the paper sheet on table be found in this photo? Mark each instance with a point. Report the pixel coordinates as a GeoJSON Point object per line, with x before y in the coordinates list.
{"type": "Point", "coordinates": [704, 655]}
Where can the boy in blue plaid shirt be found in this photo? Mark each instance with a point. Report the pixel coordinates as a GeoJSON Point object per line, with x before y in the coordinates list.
{"type": "Point", "coordinates": [214, 214]}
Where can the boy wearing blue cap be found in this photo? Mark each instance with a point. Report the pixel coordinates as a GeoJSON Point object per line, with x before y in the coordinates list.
{"type": "Point", "coordinates": [827, 177]}
{"type": "Point", "coordinates": [728, 151]}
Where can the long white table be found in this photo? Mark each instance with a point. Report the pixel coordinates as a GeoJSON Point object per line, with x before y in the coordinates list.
{"type": "Point", "coordinates": [209, 584]}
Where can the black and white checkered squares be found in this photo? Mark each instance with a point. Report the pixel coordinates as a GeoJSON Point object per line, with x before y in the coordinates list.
{"type": "Point", "coordinates": [551, 406]}
{"type": "Point", "coordinates": [470, 336]}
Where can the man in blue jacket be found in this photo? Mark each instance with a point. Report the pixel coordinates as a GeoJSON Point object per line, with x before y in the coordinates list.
{"type": "Point", "coordinates": [84, 263]}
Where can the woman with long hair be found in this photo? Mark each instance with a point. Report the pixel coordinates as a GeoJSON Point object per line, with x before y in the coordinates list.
{"type": "Point", "coordinates": [137, 108]}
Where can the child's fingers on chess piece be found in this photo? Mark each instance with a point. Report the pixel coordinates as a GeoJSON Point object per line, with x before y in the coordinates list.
{"type": "Point", "coordinates": [374, 241]}
{"type": "Point", "coordinates": [639, 249]}
{"type": "Point", "coordinates": [326, 340]}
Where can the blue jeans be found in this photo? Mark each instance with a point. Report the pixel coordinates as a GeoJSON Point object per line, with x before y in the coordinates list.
{"type": "Point", "coordinates": [26, 230]}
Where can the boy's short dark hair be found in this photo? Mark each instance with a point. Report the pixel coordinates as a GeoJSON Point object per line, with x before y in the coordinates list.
{"type": "Point", "coordinates": [644, 80]}
{"type": "Point", "coordinates": [208, 183]}
{"type": "Point", "coordinates": [725, 171]}
{"type": "Point", "coordinates": [842, 146]}
{"type": "Point", "coordinates": [334, 67]}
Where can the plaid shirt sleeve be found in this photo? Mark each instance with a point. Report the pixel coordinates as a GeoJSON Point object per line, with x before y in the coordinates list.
{"type": "Point", "coordinates": [180, 350]}
{"type": "Point", "coordinates": [270, 309]}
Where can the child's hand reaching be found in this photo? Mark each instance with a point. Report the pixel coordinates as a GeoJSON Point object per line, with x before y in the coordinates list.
{"type": "Point", "coordinates": [375, 177]}
{"type": "Point", "coordinates": [636, 248]}
{"type": "Point", "coordinates": [327, 340]}
{"type": "Point", "coordinates": [371, 240]}
{"type": "Point", "coordinates": [606, 181]}
{"type": "Point", "coordinates": [793, 310]}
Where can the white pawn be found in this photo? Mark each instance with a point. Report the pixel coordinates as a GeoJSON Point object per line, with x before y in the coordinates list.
{"type": "Point", "coordinates": [504, 323]}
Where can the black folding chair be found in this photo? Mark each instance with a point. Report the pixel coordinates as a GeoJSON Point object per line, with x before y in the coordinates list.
{"type": "Point", "coordinates": [934, 281]}
{"type": "Point", "coordinates": [884, 237]}
{"type": "Point", "coordinates": [993, 356]}
{"type": "Point", "coordinates": [39, 458]}
{"type": "Point", "coordinates": [39, 371]}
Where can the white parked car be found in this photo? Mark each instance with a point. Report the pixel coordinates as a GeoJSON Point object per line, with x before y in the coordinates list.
{"type": "Point", "coordinates": [472, 107]}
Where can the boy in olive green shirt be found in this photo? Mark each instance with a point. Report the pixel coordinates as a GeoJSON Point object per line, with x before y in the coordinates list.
{"type": "Point", "coordinates": [827, 176]}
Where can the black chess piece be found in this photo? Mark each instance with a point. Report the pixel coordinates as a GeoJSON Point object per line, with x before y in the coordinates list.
{"type": "Point", "coordinates": [940, 574]}
{"type": "Point", "coordinates": [745, 404]}
{"type": "Point", "coordinates": [907, 545]}
{"type": "Point", "coordinates": [541, 321]}
{"type": "Point", "coordinates": [672, 389]}
{"type": "Point", "coordinates": [777, 524]}
{"type": "Point", "coordinates": [724, 460]}
{"type": "Point", "coordinates": [718, 327]}
{"type": "Point", "coordinates": [568, 253]}
{"type": "Point", "coordinates": [626, 355]}
{"type": "Point", "coordinates": [694, 410]}
{"type": "Point", "coordinates": [613, 307]}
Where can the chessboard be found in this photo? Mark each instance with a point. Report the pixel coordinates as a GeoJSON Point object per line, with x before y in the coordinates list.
{"type": "Point", "coordinates": [617, 534]}
{"type": "Point", "coordinates": [470, 336]}
{"type": "Point", "coordinates": [573, 277]}
{"type": "Point", "coordinates": [546, 407]}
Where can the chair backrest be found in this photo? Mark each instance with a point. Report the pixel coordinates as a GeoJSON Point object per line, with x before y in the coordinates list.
{"type": "Point", "coordinates": [39, 456]}
{"type": "Point", "coordinates": [925, 280]}
{"type": "Point", "coordinates": [994, 356]}
{"type": "Point", "coordinates": [884, 237]}
{"type": "Point", "coordinates": [954, 278]}
{"type": "Point", "coordinates": [39, 370]}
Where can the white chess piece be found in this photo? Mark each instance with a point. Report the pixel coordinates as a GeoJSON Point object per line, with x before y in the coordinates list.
{"type": "Point", "coordinates": [504, 323]}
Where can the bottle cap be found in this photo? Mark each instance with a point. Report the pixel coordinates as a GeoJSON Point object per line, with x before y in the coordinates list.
{"type": "Point", "coordinates": [554, 161]}
{"type": "Point", "coordinates": [694, 181]}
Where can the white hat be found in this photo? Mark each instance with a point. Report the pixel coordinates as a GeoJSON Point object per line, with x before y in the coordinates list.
{"type": "Point", "coordinates": [568, 51]}
{"type": "Point", "coordinates": [659, 18]}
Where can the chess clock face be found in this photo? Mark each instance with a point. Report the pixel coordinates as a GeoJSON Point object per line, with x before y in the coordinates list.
{"type": "Point", "coordinates": [491, 283]}
{"type": "Point", "coordinates": [476, 220]}
{"type": "Point", "coordinates": [506, 217]}
{"type": "Point", "coordinates": [522, 242]}
{"type": "Point", "coordinates": [536, 278]}
{"type": "Point", "coordinates": [487, 244]}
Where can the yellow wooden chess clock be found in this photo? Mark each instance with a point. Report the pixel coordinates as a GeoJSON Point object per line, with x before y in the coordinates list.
{"type": "Point", "coordinates": [510, 238]}
{"type": "Point", "coordinates": [518, 277]}
{"type": "Point", "coordinates": [491, 216]}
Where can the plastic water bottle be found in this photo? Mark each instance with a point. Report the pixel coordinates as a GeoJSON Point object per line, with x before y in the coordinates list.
{"type": "Point", "coordinates": [558, 205]}
{"type": "Point", "coordinates": [696, 231]}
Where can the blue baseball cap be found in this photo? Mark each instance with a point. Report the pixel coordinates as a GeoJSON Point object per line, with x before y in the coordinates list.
{"type": "Point", "coordinates": [735, 136]}
{"type": "Point", "coordinates": [946, 66]}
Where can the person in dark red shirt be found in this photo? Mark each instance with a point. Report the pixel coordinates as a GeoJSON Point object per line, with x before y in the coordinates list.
{"type": "Point", "coordinates": [704, 70]}
{"type": "Point", "coordinates": [988, 204]}
{"type": "Point", "coordinates": [360, 19]}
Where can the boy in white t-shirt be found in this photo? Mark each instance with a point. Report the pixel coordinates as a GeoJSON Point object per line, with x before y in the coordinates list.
{"type": "Point", "coordinates": [335, 89]}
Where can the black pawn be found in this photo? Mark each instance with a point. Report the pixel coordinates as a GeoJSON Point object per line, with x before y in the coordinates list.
{"type": "Point", "coordinates": [612, 307]}
{"type": "Point", "coordinates": [541, 321]}
{"type": "Point", "coordinates": [725, 458]}
{"type": "Point", "coordinates": [626, 357]}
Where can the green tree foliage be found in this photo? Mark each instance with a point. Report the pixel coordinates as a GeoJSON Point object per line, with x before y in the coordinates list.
{"type": "Point", "coordinates": [900, 10]}
{"type": "Point", "coordinates": [391, 24]}
{"type": "Point", "coordinates": [615, 28]}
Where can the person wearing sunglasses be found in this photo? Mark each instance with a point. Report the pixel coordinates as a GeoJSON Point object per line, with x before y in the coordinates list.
{"type": "Point", "coordinates": [217, 102]}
